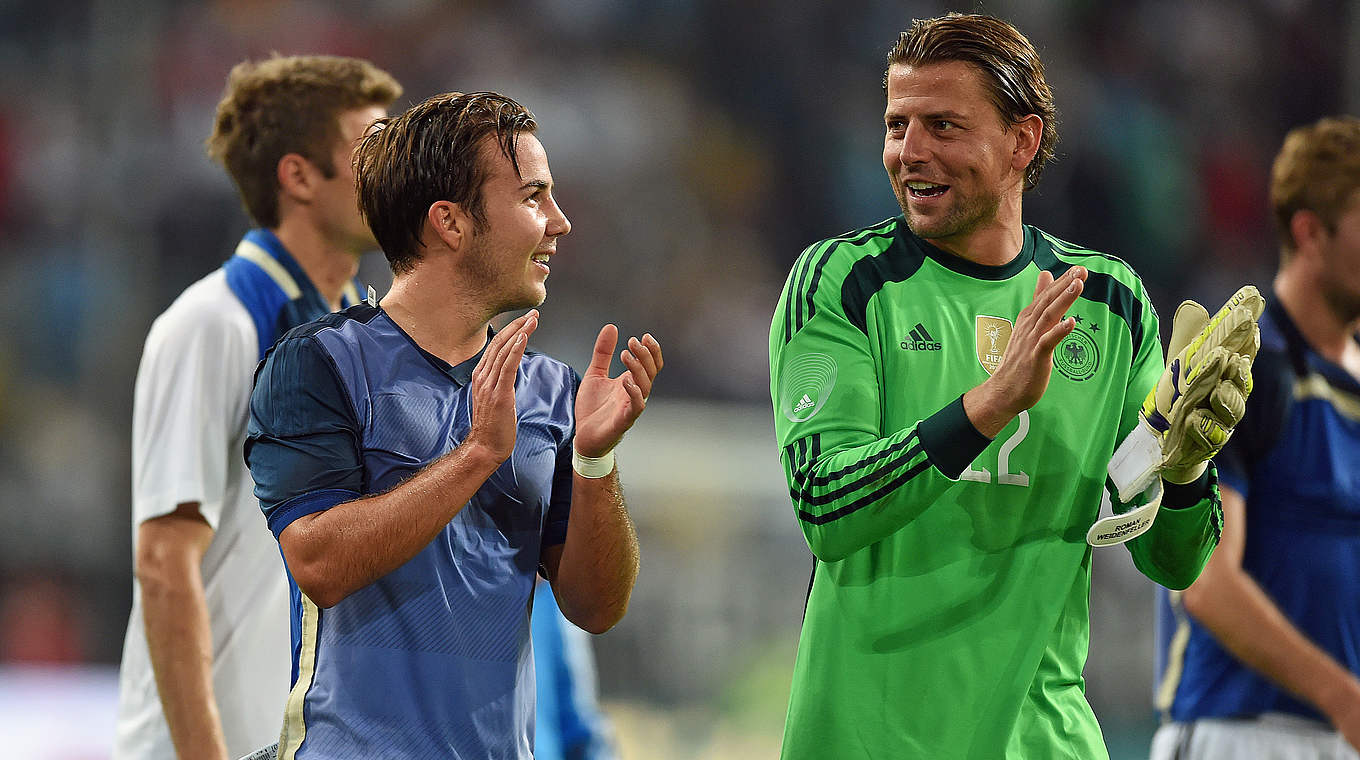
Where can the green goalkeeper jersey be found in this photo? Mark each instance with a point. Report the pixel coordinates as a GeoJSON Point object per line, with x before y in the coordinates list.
{"type": "Point", "coordinates": [947, 616]}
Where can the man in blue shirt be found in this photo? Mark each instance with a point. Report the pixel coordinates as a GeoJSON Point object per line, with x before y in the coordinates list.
{"type": "Point", "coordinates": [203, 671]}
{"type": "Point", "coordinates": [417, 469]}
{"type": "Point", "coordinates": [1261, 656]}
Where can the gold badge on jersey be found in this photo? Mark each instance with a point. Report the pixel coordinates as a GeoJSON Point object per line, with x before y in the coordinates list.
{"type": "Point", "coordinates": [993, 333]}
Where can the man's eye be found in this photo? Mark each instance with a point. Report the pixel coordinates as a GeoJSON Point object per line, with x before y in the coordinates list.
{"type": "Point", "coordinates": [944, 126]}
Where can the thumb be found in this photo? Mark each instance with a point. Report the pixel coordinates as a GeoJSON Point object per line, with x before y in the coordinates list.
{"type": "Point", "coordinates": [1189, 321]}
{"type": "Point", "coordinates": [604, 351]}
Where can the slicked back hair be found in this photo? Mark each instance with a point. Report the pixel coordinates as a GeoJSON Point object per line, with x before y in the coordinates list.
{"type": "Point", "coordinates": [1011, 69]}
{"type": "Point", "coordinates": [432, 153]}
{"type": "Point", "coordinates": [1318, 170]}
{"type": "Point", "coordinates": [283, 105]}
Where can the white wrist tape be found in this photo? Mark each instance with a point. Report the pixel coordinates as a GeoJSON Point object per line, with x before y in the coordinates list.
{"type": "Point", "coordinates": [1135, 463]}
{"type": "Point", "coordinates": [592, 467]}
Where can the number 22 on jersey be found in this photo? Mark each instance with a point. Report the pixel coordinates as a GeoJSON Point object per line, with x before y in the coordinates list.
{"type": "Point", "coordinates": [1003, 459]}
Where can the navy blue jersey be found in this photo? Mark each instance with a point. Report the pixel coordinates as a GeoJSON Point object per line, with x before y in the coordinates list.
{"type": "Point", "coordinates": [433, 659]}
{"type": "Point", "coordinates": [1296, 460]}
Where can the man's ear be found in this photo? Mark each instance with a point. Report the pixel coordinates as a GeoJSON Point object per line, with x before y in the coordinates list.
{"type": "Point", "coordinates": [449, 223]}
{"type": "Point", "coordinates": [297, 177]}
{"type": "Point", "coordinates": [1308, 231]}
{"type": "Point", "coordinates": [1028, 132]}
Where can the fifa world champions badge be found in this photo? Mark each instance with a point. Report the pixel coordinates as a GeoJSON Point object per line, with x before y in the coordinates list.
{"type": "Point", "coordinates": [993, 335]}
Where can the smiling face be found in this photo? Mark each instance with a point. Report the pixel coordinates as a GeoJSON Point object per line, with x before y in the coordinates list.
{"type": "Point", "coordinates": [508, 254]}
{"type": "Point", "coordinates": [957, 169]}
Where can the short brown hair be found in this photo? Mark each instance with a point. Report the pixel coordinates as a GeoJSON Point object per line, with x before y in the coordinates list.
{"type": "Point", "coordinates": [432, 153]}
{"type": "Point", "coordinates": [1011, 67]}
{"type": "Point", "coordinates": [285, 105]}
{"type": "Point", "coordinates": [1318, 170]}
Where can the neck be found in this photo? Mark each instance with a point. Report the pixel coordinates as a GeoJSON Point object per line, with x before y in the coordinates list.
{"type": "Point", "coordinates": [432, 310]}
{"type": "Point", "coordinates": [326, 264]}
{"type": "Point", "coordinates": [1330, 334]}
{"type": "Point", "coordinates": [994, 243]}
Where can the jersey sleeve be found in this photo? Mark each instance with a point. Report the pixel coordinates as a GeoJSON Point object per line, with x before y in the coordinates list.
{"type": "Point", "coordinates": [189, 406]}
{"type": "Point", "coordinates": [852, 482]}
{"type": "Point", "coordinates": [1175, 549]}
{"type": "Point", "coordinates": [303, 442]}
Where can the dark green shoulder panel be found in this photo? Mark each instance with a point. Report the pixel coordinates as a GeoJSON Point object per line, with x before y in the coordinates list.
{"type": "Point", "coordinates": [799, 304]}
{"type": "Point", "coordinates": [1103, 285]}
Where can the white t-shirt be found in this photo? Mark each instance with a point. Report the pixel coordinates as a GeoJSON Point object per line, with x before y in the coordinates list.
{"type": "Point", "coordinates": [190, 410]}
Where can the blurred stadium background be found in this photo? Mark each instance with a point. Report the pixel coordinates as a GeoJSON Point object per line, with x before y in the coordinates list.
{"type": "Point", "coordinates": [698, 146]}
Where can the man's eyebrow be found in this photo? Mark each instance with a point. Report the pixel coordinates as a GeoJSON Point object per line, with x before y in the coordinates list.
{"type": "Point", "coordinates": [537, 184]}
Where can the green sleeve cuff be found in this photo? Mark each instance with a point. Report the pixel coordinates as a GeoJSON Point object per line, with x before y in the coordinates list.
{"type": "Point", "coordinates": [950, 440]}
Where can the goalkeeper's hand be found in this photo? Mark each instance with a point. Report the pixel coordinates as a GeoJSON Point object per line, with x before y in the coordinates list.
{"type": "Point", "coordinates": [1202, 394]}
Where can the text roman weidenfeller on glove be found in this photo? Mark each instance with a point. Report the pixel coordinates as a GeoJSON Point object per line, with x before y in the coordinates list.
{"type": "Point", "coordinates": [1190, 413]}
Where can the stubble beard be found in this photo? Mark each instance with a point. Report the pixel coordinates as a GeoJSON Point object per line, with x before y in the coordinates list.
{"type": "Point", "coordinates": [487, 279]}
{"type": "Point", "coordinates": [961, 218]}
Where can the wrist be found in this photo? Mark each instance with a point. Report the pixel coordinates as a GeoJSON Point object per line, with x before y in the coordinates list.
{"type": "Point", "coordinates": [1184, 475]}
{"type": "Point", "coordinates": [1338, 696]}
{"type": "Point", "coordinates": [986, 413]}
{"type": "Point", "coordinates": [592, 467]}
{"type": "Point", "coordinates": [480, 456]}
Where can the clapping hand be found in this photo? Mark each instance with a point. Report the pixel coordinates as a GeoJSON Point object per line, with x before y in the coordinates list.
{"type": "Point", "coordinates": [607, 406]}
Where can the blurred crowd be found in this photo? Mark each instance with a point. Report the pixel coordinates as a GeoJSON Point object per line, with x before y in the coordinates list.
{"type": "Point", "coordinates": [698, 146]}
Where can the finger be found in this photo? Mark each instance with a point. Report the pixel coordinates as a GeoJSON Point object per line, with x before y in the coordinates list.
{"type": "Point", "coordinates": [1062, 301]}
{"type": "Point", "coordinates": [636, 395]}
{"type": "Point", "coordinates": [509, 364]}
{"type": "Point", "coordinates": [1045, 279]}
{"type": "Point", "coordinates": [655, 348]}
{"type": "Point", "coordinates": [492, 354]}
{"type": "Point", "coordinates": [637, 372]}
{"type": "Point", "coordinates": [1060, 288]}
{"type": "Point", "coordinates": [1050, 339]}
{"type": "Point", "coordinates": [510, 350]}
{"type": "Point", "coordinates": [643, 355]}
{"type": "Point", "coordinates": [604, 351]}
{"type": "Point", "coordinates": [1227, 403]}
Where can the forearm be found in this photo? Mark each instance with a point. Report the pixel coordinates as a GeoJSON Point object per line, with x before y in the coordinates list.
{"type": "Point", "coordinates": [1232, 606]}
{"type": "Point", "coordinates": [179, 638]}
{"type": "Point", "coordinates": [337, 551]}
{"type": "Point", "coordinates": [858, 495]}
{"type": "Point", "coordinates": [599, 564]}
{"type": "Point", "coordinates": [1178, 546]}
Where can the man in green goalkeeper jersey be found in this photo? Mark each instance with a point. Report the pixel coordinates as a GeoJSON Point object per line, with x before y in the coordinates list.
{"type": "Point", "coordinates": [949, 386]}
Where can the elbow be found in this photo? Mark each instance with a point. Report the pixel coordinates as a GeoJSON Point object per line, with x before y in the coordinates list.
{"type": "Point", "coordinates": [309, 569]}
{"type": "Point", "coordinates": [596, 616]}
{"type": "Point", "coordinates": [1198, 595]}
{"type": "Point", "coordinates": [825, 545]}
{"type": "Point", "coordinates": [600, 622]}
{"type": "Point", "coordinates": [315, 583]}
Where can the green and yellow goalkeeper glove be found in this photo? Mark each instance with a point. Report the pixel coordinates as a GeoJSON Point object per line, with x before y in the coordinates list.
{"type": "Point", "coordinates": [1189, 415]}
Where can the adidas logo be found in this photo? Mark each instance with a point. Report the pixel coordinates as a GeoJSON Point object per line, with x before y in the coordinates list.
{"type": "Point", "coordinates": [803, 404]}
{"type": "Point", "coordinates": [920, 340]}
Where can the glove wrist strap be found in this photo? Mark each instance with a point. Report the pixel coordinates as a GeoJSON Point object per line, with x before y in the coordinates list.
{"type": "Point", "coordinates": [1134, 464]}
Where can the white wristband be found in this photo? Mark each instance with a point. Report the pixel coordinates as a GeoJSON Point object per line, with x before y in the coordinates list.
{"type": "Point", "coordinates": [592, 467]}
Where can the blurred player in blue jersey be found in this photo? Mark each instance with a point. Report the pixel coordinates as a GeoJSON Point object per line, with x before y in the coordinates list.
{"type": "Point", "coordinates": [202, 673]}
{"type": "Point", "coordinates": [418, 470]}
{"type": "Point", "coordinates": [569, 724]}
{"type": "Point", "coordinates": [1261, 656]}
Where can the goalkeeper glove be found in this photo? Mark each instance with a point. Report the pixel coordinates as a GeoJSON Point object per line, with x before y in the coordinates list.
{"type": "Point", "coordinates": [1202, 394]}
{"type": "Point", "coordinates": [1189, 414]}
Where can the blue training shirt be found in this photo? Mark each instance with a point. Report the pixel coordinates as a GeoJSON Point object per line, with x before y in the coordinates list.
{"type": "Point", "coordinates": [1295, 458]}
{"type": "Point", "coordinates": [433, 659]}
